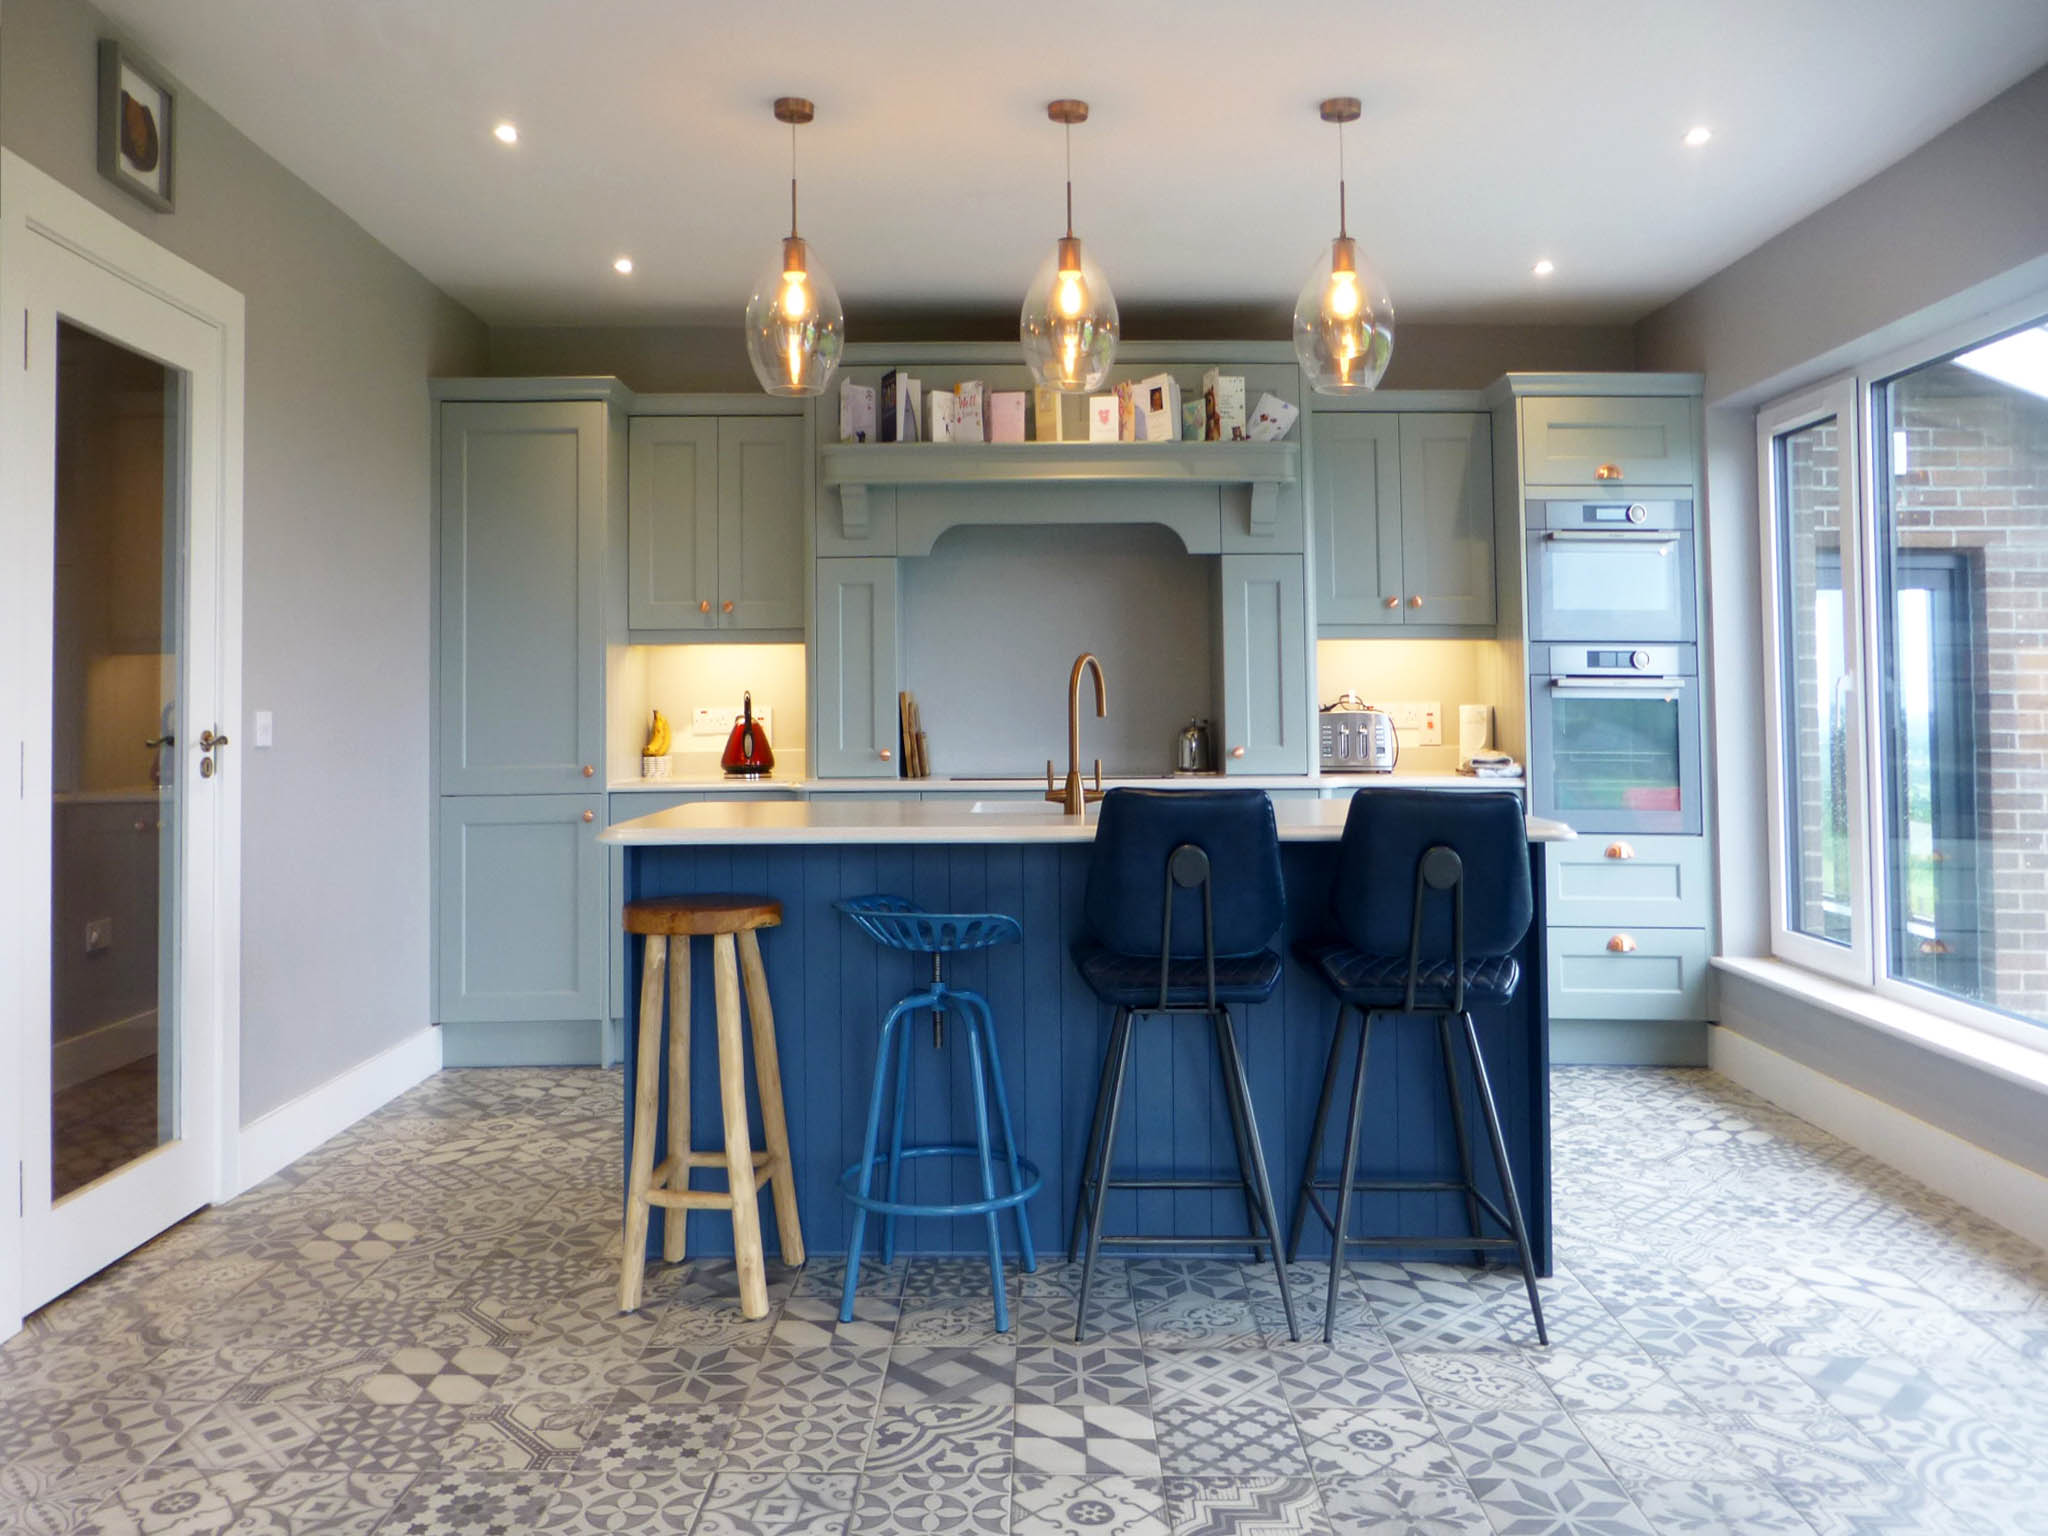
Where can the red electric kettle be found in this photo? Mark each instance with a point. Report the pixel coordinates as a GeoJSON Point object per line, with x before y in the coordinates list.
{"type": "Point", "coordinates": [747, 754]}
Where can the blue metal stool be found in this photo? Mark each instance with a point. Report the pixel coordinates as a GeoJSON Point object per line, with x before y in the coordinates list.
{"type": "Point", "coordinates": [899, 924]}
{"type": "Point", "coordinates": [1406, 956]}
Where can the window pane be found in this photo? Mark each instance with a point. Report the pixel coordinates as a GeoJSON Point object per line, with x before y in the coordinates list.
{"type": "Point", "coordinates": [1963, 621]}
{"type": "Point", "coordinates": [1815, 687]}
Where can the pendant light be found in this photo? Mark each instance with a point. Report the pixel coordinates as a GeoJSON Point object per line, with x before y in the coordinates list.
{"type": "Point", "coordinates": [1344, 319]}
{"type": "Point", "coordinates": [1069, 326]}
{"type": "Point", "coordinates": [795, 327]}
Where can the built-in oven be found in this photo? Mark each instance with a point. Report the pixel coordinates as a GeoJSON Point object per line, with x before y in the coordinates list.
{"type": "Point", "coordinates": [1614, 737]}
{"type": "Point", "coordinates": [1619, 571]}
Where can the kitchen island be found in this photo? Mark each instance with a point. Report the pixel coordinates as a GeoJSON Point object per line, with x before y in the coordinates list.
{"type": "Point", "coordinates": [830, 986]}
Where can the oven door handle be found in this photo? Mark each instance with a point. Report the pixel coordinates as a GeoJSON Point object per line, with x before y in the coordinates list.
{"type": "Point", "coordinates": [1645, 536]}
{"type": "Point", "coordinates": [1637, 687]}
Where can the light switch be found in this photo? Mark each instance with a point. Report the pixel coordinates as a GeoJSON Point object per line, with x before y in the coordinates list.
{"type": "Point", "coordinates": [263, 728]}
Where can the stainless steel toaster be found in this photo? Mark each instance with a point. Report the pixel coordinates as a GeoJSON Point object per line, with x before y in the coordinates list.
{"type": "Point", "coordinates": [1356, 738]}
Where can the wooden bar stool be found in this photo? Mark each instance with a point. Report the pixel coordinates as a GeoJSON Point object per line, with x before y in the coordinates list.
{"type": "Point", "coordinates": [668, 924]}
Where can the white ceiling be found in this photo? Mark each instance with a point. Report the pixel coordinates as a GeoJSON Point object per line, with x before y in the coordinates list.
{"type": "Point", "coordinates": [1495, 132]}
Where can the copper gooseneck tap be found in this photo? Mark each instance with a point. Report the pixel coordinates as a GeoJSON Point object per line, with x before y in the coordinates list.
{"type": "Point", "coordinates": [1074, 797]}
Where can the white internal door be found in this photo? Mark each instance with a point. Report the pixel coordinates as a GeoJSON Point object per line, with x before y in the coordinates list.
{"type": "Point", "coordinates": [120, 482]}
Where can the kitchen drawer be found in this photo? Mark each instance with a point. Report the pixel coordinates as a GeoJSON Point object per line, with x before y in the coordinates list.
{"type": "Point", "coordinates": [1627, 973]}
{"type": "Point", "coordinates": [1647, 882]}
{"type": "Point", "coordinates": [1566, 440]}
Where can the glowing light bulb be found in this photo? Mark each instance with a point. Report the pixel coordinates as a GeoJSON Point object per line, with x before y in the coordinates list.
{"type": "Point", "coordinates": [796, 296]}
{"type": "Point", "coordinates": [794, 360]}
{"type": "Point", "coordinates": [1071, 295]}
{"type": "Point", "coordinates": [1342, 300]}
{"type": "Point", "coordinates": [506, 133]}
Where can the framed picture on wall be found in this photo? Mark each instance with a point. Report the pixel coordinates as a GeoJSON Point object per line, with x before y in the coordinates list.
{"type": "Point", "coordinates": [136, 123]}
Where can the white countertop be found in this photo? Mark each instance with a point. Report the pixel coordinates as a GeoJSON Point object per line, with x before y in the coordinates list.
{"type": "Point", "coordinates": [698, 783]}
{"type": "Point", "coordinates": [752, 823]}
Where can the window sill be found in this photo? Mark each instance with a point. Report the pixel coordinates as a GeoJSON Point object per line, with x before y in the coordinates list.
{"type": "Point", "coordinates": [2024, 1065]}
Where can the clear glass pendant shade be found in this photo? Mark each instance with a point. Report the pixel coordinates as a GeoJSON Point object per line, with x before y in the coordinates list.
{"type": "Point", "coordinates": [1343, 322]}
{"type": "Point", "coordinates": [1069, 326]}
{"type": "Point", "coordinates": [795, 327]}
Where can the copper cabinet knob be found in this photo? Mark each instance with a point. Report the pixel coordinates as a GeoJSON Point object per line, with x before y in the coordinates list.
{"type": "Point", "coordinates": [1415, 602]}
{"type": "Point", "coordinates": [589, 772]}
{"type": "Point", "coordinates": [1622, 944]}
{"type": "Point", "coordinates": [590, 815]}
{"type": "Point", "coordinates": [727, 605]}
{"type": "Point", "coordinates": [885, 754]}
{"type": "Point", "coordinates": [1620, 850]}
{"type": "Point", "coordinates": [1607, 472]}
{"type": "Point", "coordinates": [704, 605]}
{"type": "Point", "coordinates": [1237, 751]}
{"type": "Point", "coordinates": [1393, 602]}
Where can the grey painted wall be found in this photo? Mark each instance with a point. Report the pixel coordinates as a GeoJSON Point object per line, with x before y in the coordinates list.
{"type": "Point", "coordinates": [342, 337]}
{"type": "Point", "coordinates": [713, 357]}
{"type": "Point", "coordinates": [1956, 228]}
{"type": "Point", "coordinates": [994, 617]}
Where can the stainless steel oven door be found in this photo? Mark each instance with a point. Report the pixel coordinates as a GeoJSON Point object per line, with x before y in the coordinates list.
{"type": "Point", "coordinates": [1591, 580]}
{"type": "Point", "coordinates": [1616, 754]}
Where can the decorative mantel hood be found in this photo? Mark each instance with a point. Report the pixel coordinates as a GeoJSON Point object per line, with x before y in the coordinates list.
{"type": "Point", "coordinates": [1129, 482]}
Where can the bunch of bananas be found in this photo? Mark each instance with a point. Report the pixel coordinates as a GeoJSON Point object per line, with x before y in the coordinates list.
{"type": "Point", "coordinates": [657, 737]}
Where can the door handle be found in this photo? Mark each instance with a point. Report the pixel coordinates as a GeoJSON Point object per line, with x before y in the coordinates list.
{"type": "Point", "coordinates": [1622, 944]}
{"type": "Point", "coordinates": [1620, 850]}
{"type": "Point", "coordinates": [208, 741]}
{"type": "Point", "coordinates": [156, 743]}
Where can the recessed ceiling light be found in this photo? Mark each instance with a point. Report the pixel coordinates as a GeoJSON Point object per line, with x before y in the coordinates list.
{"type": "Point", "coordinates": [506, 133]}
{"type": "Point", "coordinates": [623, 266]}
{"type": "Point", "coordinates": [1697, 135]}
{"type": "Point", "coordinates": [1544, 267]}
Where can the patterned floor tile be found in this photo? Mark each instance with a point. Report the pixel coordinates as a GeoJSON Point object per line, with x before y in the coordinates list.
{"type": "Point", "coordinates": [1212, 1378]}
{"type": "Point", "coordinates": [1474, 1380]}
{"type": "Point", "coordinates": [1043, 1505]}
{"type": "Point", "coordinates": [1155, 1282]}
{"type": "Point", "coordinates": [252, 1435]}
{"type": "Point", "coordinates": [798, 1436]}
{"type": "Point", "coordinates": [1611, 1382]}
{"type": "Point", "coordinates": [658, 1503]}
{"type": "Point", "coordinates": [1385, 1506]}
{"type": "Point", "coordinates": [418, 1373]}
{"type": "Point", "coordinates": [819, 1377]}
{"type": "Point", "coordinates": [1251, 1437]}
{"type": "Point", "coordinates": [1393, 1440]}
{"type": "Point", "coordinates": [177, 1501]}
{"type": "Point", "coordinates": [1086, 1440]}
{"type": "Point", "coordinates": [1717, 1509]}
{"type": "Point", "coordinates": [1581, 1505]}
{"type": "Point", "coordinates": [943, 1440]}
{"type": "Point", "coordinates": [468, 1503]}
{"type": "Point", "coordinates": [672, 1435]}
{"type": "Point", "coordinates": [374, 1437]}
{"type": "Point", "coordinates": [715, 1374]}
{"type": "Point", "coordinates": [1197, 1321]}
{"type": "Point", "coordinates": [1260, 1506]}
{"type": "Point", "coordinates": [917, 1374]}
{"type": "Point", "coordinates": [1081, 1373]}
{"type": "Point", "coordinates": [1346, 1380]}
{"type": "Point", "coordinates": [932, 1506]}
{"type": "Point", "coordinates": [1499, 1443]}
{"type": "Point", "coordinates": [812, 1322]}
{"type": "Point", "coordinates": [827, 1277]}
{"type": "Point", "coordinates": [945, 1322]}
{"type": "Point", "coordinates": [1662, 1448]}
{"type": "Point", "coordinates": [778, 1504]}
{"type": "Point", "coordinates": [321, 1504]}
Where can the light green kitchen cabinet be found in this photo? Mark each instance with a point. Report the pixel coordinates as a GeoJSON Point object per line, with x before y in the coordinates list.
{"type": "Point", "coordinates": [1626, 972]}
{"type": "Point", "coordinates": [520, 898]}
{"type": "Point", "coordinates": [1267, 721]}
{"type": "Point", "coordinates": [1357, 470]}
{"type": "Point", "coordinates": [521, 509]}
{"type": "Point", "coordinates": [672, 518]}
{"type": "Point", "coordinates": [1447, 519]}
{"type": "Point", "coordinates": [1611, 441]}
{"type": "Point", "coordinates": [1403, 521]}
{"type": "Point", "coordinates": [1624, 879]}
{"type": "Point", "coordinates": [854, 644]}
{"type": "Point", "coordinates": [715, 525]}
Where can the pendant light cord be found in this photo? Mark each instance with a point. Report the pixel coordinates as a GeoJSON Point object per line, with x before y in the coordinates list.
{"type": "Point", "coordinates": [1070, 180]}
{"type": "Point", "coordinates": [792, 181]}
{"type": "Point", "coordinates": [1343, 227]}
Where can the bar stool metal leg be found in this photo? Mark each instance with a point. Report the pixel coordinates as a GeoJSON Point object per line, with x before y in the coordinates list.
{"type": "Point", "coordinates": [1027, 1251]}
{"type": "Point", "coordinates": [675, 1220]}
{"type": "Point", "coordinates": [988, 1177]}
{"type": "Point", "coordinates": [897, 1109]}
{"type": "Point", "coordinates": [1347, 1178]}
{"type": "Point", "coordinates": [646, 1111]}
{"type": "Point", "coordinates": [1458, 1129]}
{"type": "Point", "coordinates": [890, 1039]}
{"type": "Point", "coordinates": [1507, 1178]}
{"type": "Point", "coordinates": [1116, 1029]}
{"type": "Point", "coordinates": [1237, 1140]}
{"type": "Point", "coordinates": [1241, 1090]}
{"type": "Point", "coordinates": [1097, 1185]}
{"type": "Point", "coordinates": [1305, 1197]}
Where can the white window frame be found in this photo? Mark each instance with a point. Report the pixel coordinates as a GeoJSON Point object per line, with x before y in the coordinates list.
{"type": "Point", "coordinates": [1866, 961]}
{"type": "Point", "coordinates": [1837, 400]}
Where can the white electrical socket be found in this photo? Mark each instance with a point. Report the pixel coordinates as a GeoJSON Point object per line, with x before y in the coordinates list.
{"type": "Point", "coordinates": [1420, 721]}
{"type": "Point", "coordinates": [99, 935]}
{"type": "Point", "coordinates": [718, 722]}
{"type": "Point", "coordinates": [265, 729]}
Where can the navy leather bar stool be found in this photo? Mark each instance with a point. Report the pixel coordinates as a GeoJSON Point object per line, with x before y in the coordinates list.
{"type": "Point", "coordinates": [1184, 896]}
{"type": "Point", "coordinates": [899, 924]}
{"type": "Point", "coordinates": [1432, 896]}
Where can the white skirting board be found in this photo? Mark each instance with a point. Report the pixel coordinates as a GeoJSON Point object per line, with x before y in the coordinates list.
{"type": "Point", "coordinates": [2014, 1197]}
{"type": "Point", "coordinates": [292, 1130]}
{"type": "Point", "coordinates": [80, 1058]}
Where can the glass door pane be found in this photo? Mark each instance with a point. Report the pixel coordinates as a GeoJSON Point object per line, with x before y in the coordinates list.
{"type": "Point", "coordinates": [114, 797]}
{"type": "Point", "coordinates": [1616, 755]}
{"type": "Point", "coordinates": [1814, 690]}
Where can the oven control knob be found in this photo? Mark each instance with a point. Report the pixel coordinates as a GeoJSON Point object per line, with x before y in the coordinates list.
{"type": "Point", "coordinates": [1640, 660]}
{"type": "Point", "coordinates": [1638, 513]}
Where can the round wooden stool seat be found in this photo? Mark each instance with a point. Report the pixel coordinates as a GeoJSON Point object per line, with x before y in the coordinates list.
{"type": "Point", "coordinates": [682, 916]}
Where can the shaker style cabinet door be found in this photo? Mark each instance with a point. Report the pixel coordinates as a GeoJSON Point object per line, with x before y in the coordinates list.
{"type": "Point", "coordinates": [521, 505]}
{"type": "Point", "coordinates": [1447, 518]}
{"type": "Point", "coordinates": [1357, 470]}
{"type": "Point", "coordinates": [760, 522]}
{"type": "Point", "coordinates": [1267, 718]}
{"type": "Point", "coordinates": [1607, 440]}
{"type": "Point", "coordinates": [855, 732]}
{"type": "Point", "coordinates": [673, 512]}
{"type": "Point", "coordinates": [521, 928]}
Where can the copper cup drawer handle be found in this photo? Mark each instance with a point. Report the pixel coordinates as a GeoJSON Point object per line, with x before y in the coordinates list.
{"type": "Point", "coordinates": [1620, 850]}
{"type": "Point", "coordinates": [1237, 751]}
{"type": "Point", "coordinates": [590, 815]}
{"type": "Point", "coordinates": [1622, 944]}
{"type": "Point", "coordinates": [1607, 472]}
